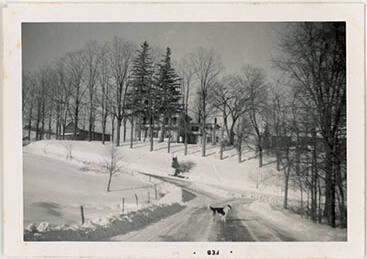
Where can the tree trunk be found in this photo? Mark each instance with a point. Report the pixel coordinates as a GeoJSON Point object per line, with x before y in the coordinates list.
{"type": "Point", "coordinates": [76, 118]}
{"type": "Point", "coordinates": [286, 181]}
{"type": "Point", "coordinates": [301, 202]}
{"type": "Point", "coordinates": [260, 156]}
{"type": "Point", "coordinates": [58, 121]}
{"type": "Point", "coordinates": [43, 119]}
{"type": "Point", "coordinates": [151, 132]}
{"type": "Point", "coordinates": [278, 157]}
{"type": "Point", "coordinates": [64, 119]}
{"type": "Point", "coordinates": [90, 127]}
{"type": "Point", "coordinates": [104, 122]}
{"type": "Point", "coordinates": [231, 136]}
{"type": "Point", "coordinates": [214, 136]}
{"type": "Point", "coordinates": [146, 133]}
{"type": "Point", "coordinates": [313, 186]}
{"type": "Point", "coordinates": [186, 135]}
{"type": "Point", "coordinates": [319, 201]}
{"type": "Point", "coordinates": [203, 128]}
{"type": "Point", "coordinates": [124, 125]}
{"type": "Point", "coordinates": [342, 208]}
{"type": "Point", "coordinates": [169, 136]}
{"type": "Point", "coordinates": [332, 200]}
{"type": "Point", "coordinates": [330, 189]}
{"type": "Point", "coordinates": [49, 124]}
{"type": "Point", "coordinates": [30, 121]}
{"type": "Point", "coordinates": [132, 132]}
{"type": "Point", "coordinates": [161, 136]}
{"type": "Point", "coordinates": [57, 129]}
{"type": "Point", "coordinates": [112, 128]}
{"type": "Point", "coordinates": [118, 130]}
{"type": "Point", "coordinates": [63, 130]}
{"type": "Point", "coordinates": [308, 203]}
{"type": "Point", "coordinates": [222, 133]}
{"type": "Point", "coordinates": [240, 149]}
{"type": "Point", "coordinates": [139, 128]}
{"type": "Point", "coordinates": [286, 170]}
{"type": "Point", "coordinates": [38, 120]}
{"type": "Point", "coordinates": [109, 182]}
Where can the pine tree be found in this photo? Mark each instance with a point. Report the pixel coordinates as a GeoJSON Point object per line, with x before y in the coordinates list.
{"type": "Point", "coordinates": [168, 93]}
{"type": "Point", "coordinates": [142, 101]}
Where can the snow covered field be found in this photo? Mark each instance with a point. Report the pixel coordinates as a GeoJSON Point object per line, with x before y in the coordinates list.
{"type": "Point", "coordinates": [208, 170]}
{"type": "Point", "coordinates": [55, 188]}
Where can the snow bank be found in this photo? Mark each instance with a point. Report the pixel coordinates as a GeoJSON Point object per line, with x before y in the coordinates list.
{"type": "Point", "coordinates": [171, 194]}
{"type": "Point", "coordinates": [301, 228]}
{"type": "Point", "coordinates": [102, 228]}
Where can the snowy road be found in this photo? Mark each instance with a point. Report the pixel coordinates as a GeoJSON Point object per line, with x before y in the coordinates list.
{"type": "Point", "coordinates": [196, 223]}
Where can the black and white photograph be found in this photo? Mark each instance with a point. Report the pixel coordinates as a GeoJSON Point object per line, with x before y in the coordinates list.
{"type": "Point", "coordinates": [184, 131]}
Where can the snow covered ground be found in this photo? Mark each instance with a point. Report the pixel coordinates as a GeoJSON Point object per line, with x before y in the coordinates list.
{"type": "Point", "coordinates": [102, 228]}
{"type": "Point", "coordinates": [83, 183]}
{"type": "Point", "coordinates": [300, 228]}
{"type": "Point", "coordinates": [207, 170]}
{"type": "Point", "coordinates": [54, 190]}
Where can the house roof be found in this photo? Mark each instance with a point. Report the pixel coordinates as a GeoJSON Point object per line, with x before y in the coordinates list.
{"type": "Point", "coordinates": [71, 125]}
{"type": "Point", "coordinates": [26, 127]}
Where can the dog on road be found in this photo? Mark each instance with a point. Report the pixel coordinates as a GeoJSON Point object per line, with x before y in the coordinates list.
{"type": "Point", "coordinates": [221, 211]}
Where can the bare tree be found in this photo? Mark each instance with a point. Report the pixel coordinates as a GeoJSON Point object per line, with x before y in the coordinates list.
{"type": "Point", "coordinates": [315, 58]}
{"type": "Point", "coordinates": [231, 98]}
{"type": "Point", "coordinates": [254, 80]}
{"type": "Point", "coordinates": [50, 98]}
{"type": "Point", "coordinates": [75, 68]}
{"type": "Point", "coordinates": [28, 99]}
{"type": "Point", "coordinates": [41, 94]}
{"type": "Point", "coordinates": [111, 165]}
{"type": "Point", "coordinates": [207, 67]}
{"type": "Point", "coordinates": [121, 54]}
{"type": "Point", "coordinates": [68, 145]}
{"type": "Point", "coordinates": [92, 56]}
{"type": "Point", "coordinates": [276, 124]}
{"type": "Point", "coordinates": [104, 76]}
{"type": "Point", "coordinates": [63, 96]}
{"type": "Point", "coordinates": [242, 131]}
{"type": "Point", "coordinates": [186, 73]}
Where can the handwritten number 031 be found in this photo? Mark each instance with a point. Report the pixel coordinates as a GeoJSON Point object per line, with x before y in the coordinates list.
{"type": "Point", "coordinates": [213, 252]}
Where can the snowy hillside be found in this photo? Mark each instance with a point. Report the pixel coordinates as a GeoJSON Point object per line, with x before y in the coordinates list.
{"type": "Point", "coordinates": [227, 173]}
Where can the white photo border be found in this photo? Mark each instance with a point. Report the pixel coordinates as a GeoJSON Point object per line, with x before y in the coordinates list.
{"type": "Point", "coordinates": [17, 13]}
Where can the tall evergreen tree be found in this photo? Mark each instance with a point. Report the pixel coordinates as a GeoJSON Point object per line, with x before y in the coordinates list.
{"type": "Point", "coordinates": [168, 93]}
{"type": "Point", "coordinates": [142, 102]}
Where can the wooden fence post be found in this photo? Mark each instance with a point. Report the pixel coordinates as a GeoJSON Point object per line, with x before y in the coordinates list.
{"type": "Point", "coordinates": [155, 192]}
{"type": "Point", "coordinates": [123, 204]}
{"type": "Point", "coordinates": [136, 198]}
{"type": "Point", "coordinates": [82, 213]}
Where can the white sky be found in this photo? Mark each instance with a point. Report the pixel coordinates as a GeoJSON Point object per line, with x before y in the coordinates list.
{"type": "Point", "coordinates": [237, 43]}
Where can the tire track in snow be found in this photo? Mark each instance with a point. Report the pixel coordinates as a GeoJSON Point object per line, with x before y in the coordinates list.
{"type": "Point", "coordinates": [196, 223]}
